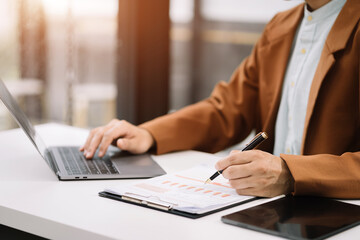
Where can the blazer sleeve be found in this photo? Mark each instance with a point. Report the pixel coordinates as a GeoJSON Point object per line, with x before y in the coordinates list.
{"type": "Point", "coordinates": [325, 175]}
{"type": "Point", "coordinates": [223, 119]}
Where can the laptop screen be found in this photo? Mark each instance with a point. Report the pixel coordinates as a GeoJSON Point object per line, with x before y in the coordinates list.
{"type": "Point", "coordinates": [20, 117]}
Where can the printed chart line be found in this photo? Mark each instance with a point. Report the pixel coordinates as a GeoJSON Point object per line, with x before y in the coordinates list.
{"type": "Point", "coordinates": [187, 187]}
{"type": "Point", "coordinates": [197, 180]}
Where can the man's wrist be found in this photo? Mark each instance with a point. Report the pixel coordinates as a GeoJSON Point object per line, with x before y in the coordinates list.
{"type": "Point", "coordinates": [288, 178]}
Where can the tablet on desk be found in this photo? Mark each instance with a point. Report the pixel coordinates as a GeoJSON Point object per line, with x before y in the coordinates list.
{"type": "Point", "coordinates": [298, 217]}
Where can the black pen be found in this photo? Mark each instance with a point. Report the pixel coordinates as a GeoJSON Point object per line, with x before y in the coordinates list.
{"type": "Point", "coordinates": [261, 136]}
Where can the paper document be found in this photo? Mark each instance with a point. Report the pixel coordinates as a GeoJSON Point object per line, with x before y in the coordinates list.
{"type": "Point", "coordinates": [184, 191]}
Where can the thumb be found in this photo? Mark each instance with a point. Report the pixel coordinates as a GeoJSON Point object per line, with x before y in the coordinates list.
{"type": "Point", "coordinates": [128, 145]}
{"type": "Point", "coordinates": [123, 144]}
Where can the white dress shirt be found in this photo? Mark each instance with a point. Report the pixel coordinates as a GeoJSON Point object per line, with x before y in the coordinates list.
{"type": "Point", "coordinates": [307, 47]}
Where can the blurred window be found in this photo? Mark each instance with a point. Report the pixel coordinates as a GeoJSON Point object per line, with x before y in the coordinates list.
{"type": "Point", "coordinates": [63, 48]}
{"type": "Point", "coordinates": [9, 57]}
{"type": "Point", "coordinates": [67, 49]}
{"type": "Point", "coordinates": [81, 53]}
{"type": "Point", "coordinates": [9, 48]}
{"type": "Point", "coordinates": [210, 38]}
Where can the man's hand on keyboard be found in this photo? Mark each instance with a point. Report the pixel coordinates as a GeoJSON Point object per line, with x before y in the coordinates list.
{"type": "Point", "coordinates": [120, 133]}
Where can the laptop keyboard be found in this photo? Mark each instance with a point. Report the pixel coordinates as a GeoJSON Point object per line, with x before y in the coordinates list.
{"type": "Point", "coordinates": [75, 163]}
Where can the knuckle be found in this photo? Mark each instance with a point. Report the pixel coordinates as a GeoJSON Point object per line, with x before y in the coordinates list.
{"type": "Point", "coordinates": [232, 160]}
{"type": "Point", "coordinates": [107, 135]}
{"type": "Point", "coordinates": [98, 135]}
{"type": "Point", "coordinates": [123, 122]}
{"type": "Point", "coordinates": [255, 151]}
{"type": "Point", "coordinates": [93, 131]}
{"type": "Point", "coordinates": [97, 130]}
{"type": "Point", "coordinates": [230, 171]}
{"type": "Point", "coordinates": [234, 151]}
{"type": "Point", "coordinates": [252, 154]}
{"type": "Point", "coordinates": [262, 170]}
{"type": "Point", "coordinates": [114, 120]}
{"type": "Point", "coordinates": [240, 191]}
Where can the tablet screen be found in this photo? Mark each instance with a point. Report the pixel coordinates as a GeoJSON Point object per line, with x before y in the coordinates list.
{"type": "Point", "coordinates": [298, 217]}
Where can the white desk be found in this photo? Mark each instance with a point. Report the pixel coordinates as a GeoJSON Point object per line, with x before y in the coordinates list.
{"type": "Point", "coordinates": [33, 200]}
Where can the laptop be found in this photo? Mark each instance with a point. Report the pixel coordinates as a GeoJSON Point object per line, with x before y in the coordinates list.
{"type": "Point", "coordinates": [68, 163]}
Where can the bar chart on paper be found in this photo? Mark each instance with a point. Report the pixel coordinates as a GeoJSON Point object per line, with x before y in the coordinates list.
{"type": "Point", "coordinates": [184, 191]}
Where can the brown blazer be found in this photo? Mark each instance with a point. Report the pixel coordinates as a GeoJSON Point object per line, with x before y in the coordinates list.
{"type": "Point", "coordinates": [330, 161]}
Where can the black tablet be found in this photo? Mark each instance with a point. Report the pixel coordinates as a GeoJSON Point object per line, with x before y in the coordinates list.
{"type": "Point", "coordinates": [298, 217]}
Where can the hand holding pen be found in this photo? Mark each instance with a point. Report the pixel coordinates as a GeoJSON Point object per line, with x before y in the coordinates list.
{"type": "Point", "coordinates": [259, 138]}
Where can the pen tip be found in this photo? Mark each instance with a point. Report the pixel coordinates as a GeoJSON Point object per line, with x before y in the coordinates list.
{"type": "Point", "coordinates": [207, 181]}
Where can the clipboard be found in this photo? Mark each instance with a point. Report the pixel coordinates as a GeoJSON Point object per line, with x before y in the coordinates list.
{"type": "Point", "coordinates": [166, 208]}
{"type": "Point", "coordinates": [183, 193]}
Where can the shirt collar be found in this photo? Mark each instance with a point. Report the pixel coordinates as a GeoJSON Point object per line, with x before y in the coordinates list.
{"type": "Point", "coordinates": [325, 11]}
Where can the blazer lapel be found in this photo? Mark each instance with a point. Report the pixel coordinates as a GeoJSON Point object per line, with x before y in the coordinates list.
{"type": "Point", "coordinates": [336, 41]}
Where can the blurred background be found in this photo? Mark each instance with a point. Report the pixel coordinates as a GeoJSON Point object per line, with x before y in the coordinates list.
{"type": "Point", "coordinates": [84, 62]}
